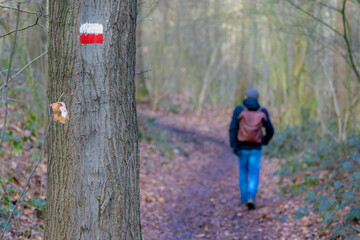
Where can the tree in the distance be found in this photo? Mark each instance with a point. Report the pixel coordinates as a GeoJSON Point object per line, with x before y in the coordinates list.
{"type": "Point", "coordinates": [93, 161]}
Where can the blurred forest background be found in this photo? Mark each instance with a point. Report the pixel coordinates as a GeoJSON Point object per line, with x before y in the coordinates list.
{"type": "Point", "coordinates": [303, 56]}
{"type": "Point", "coordinates": [295, 52]}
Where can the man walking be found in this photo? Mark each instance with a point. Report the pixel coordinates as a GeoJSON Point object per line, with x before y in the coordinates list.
{"type": "Point", "coordinates": [246, 140]}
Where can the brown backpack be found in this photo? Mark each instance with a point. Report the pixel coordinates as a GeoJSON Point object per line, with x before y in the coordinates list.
{"type": "Point", "coordinates": [250, 126]}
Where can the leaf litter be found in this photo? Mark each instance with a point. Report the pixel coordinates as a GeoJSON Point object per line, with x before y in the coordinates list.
{"type": "Point", "coordinates": [187, 192]}
{"type": "Point", "coordinates": [199, 190]}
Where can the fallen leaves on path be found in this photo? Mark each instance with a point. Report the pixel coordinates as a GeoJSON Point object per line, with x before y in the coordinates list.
{"type": "Point", "coordinates": [200, 192]}
{"type": "Point", "coordinates": [189, 191]}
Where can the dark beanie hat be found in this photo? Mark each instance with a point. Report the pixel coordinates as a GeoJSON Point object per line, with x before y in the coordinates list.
{"type": "Point", "coordinates": [252, 93]}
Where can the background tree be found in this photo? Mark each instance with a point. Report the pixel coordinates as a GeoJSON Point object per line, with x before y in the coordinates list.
{"type": "Point", "coordinates": [93, 163]}
{"type": "Point", "coordinates": [303, 56]}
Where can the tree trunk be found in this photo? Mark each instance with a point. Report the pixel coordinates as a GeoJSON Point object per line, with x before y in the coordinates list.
{"type": "Point", "coordinates": [93, 161]}
{"type": "Point", "coordinates": [252, 61]}
{"type": "Point", "coordinates": [141, 89]}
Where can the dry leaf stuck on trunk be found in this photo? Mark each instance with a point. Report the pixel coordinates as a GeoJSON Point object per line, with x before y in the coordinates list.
{"type": "Point", "coordinates": [60, 112]}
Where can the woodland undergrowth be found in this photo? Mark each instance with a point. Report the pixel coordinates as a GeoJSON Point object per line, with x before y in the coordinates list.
{"type": "Point", "coordinates": [325, 170]}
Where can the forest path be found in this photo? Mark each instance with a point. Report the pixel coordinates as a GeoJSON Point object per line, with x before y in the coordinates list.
{"type": "Point", "coordinates": [196, 195]}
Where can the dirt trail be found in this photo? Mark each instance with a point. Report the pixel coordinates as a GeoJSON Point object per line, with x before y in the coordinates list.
{"type": "Point", "coordinates": [196, 195]}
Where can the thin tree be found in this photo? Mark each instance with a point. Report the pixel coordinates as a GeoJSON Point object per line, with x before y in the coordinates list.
{"type": "Point", "coordinates": [93, 163]}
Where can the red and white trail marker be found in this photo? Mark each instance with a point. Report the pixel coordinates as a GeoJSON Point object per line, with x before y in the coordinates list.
{"type": "Point", "coordinates": [91, 33]}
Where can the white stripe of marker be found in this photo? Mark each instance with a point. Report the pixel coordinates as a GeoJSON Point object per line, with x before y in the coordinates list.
{"type": "Point", "coordinates": [93, 28]}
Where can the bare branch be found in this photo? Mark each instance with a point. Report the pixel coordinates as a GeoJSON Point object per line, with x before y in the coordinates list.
{"type": "Point", "coordinates": [143, 72]}
{"type": "Point", "coordinates": [27, 65]}
{"type": "Point", "coordinates": [13, 8]}
{"type": "Point", "coordinates": [108, 198]}
{"type": "Point", "coordinates": [316, 18]}
{"type": "Point", "coordinates": [21, 29]}
{"type": "Point", "coordinates": [14, 100]}
{"type": "Point", "coordinates": [22, 2]}
{"type": "Point", "coordinates": [327, 6]}
{"type": "Point", "coordinates": [104, 204]}
{"type": "Point", "coordinates": [43, 28]}
{"type": "Point", "coordinates": [347, 41]}
{"type": "Point", "coordinates": [4, 89]}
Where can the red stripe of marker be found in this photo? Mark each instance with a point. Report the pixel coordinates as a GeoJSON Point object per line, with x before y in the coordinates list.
{"type": "Point", "coordinates": [91, 38]}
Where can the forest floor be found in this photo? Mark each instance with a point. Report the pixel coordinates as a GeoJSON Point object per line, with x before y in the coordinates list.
{"type": "Point", "coordinates": [189, 184]}
{"type": "Point", "coordinates": [195, 195]}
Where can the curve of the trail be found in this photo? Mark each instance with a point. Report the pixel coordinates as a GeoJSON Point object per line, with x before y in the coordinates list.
{"type": "Point", "coordinates": [199, 193]}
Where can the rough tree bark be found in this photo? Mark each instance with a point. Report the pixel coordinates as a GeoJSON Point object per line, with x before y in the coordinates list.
{"type": "Point", "coordinates": [93, 162]}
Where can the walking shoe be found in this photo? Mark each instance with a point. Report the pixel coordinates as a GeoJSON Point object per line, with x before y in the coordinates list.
{"type": "Point", "coordinates": [250, 204]}
{"type": "Point", "coordinates": [243, 206]}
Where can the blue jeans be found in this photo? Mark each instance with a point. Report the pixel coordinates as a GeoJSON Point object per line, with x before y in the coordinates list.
{"type": "Point", "coordinates": [249, 169]}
